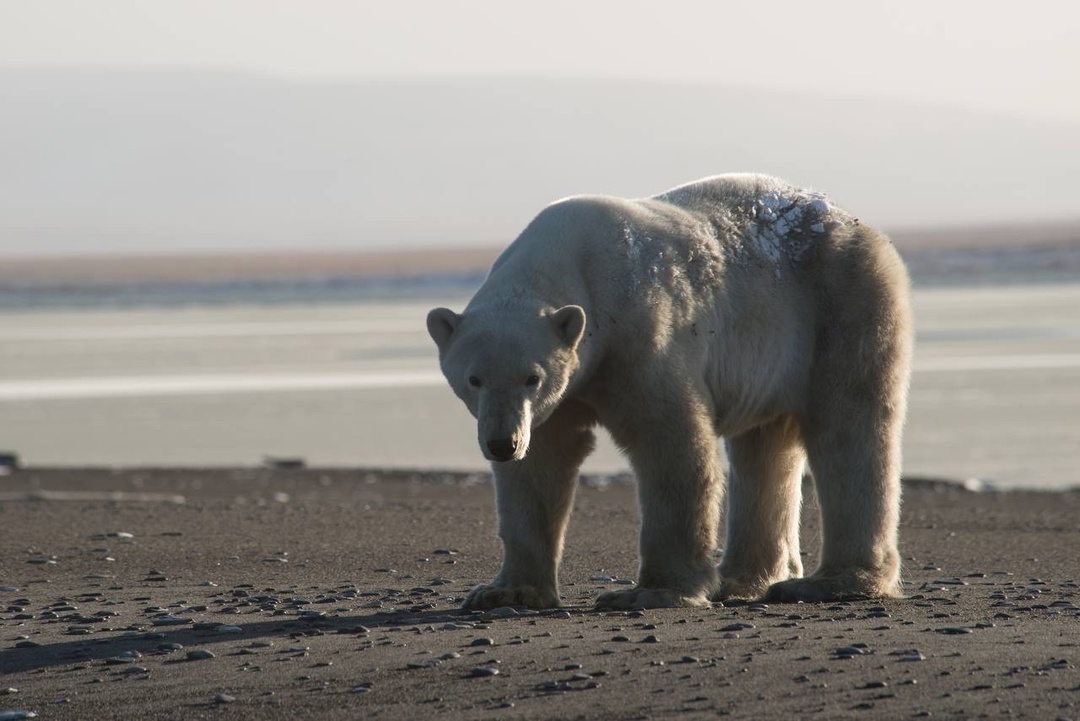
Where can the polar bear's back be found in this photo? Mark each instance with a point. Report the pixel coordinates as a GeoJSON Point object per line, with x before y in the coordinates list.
{"type": "Point", "coordinates": [757, 217]}
{"type": "Point", "coordinates": [689, 243]}
{"type": "Point", "coordinates": [761, 215]}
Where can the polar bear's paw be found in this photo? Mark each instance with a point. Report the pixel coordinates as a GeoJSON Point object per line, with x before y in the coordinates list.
{"type": "Point", "coordinates": [488, 596]}
{"type": "Point", "coordinates": [815, 589]}
{"type": "Point", "coordinates": [649, 598]}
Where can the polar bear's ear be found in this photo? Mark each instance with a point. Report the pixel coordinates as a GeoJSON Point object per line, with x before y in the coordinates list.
{"type": "Point", "coordinates": [569, 322]}
{"type": "Point", "coordinates": [441, 324]}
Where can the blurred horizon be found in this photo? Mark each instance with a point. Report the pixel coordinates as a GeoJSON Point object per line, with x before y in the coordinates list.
{"type": "Point", "coordinates": [252, 126]}
{"type": "Point", "coordinates": [106, 161]}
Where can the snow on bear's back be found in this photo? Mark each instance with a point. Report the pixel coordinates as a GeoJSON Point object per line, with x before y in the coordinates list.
{"type": "Point", "coordinates": [760, 217]}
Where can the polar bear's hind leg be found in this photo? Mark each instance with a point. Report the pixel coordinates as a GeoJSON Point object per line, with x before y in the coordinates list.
{"type": "Point", "coordinates": [852, 429]}
{"type": "Point", "coordinates": [764, 503]}
{"type": "Point", "coordinates": [680, 484]}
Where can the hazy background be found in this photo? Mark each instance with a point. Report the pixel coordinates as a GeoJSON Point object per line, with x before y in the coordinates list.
{"type": "Point", "coordinates": [198, 125]}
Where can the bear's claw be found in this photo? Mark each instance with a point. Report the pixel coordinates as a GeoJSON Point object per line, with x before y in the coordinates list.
{"type": "Point", "coordinates": [649, 598]}
{"type": "Point", "coordinates": [815, 589]}
{"type": "Point", "coordinates": [488, 596]}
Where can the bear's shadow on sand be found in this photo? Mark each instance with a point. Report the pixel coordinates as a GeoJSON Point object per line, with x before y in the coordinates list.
{"type": "Point", "coordinates": [86, 650]}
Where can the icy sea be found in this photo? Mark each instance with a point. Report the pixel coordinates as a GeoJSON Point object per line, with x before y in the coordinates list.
{"type": "Point", "coordinates": [340, 372]}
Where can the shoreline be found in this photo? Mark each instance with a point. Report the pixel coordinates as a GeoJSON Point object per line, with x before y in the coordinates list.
{"type": "Point", "coordinates": [922, 247]}
{"type": "Point", "coordinates": [278, 594]}
{"type": "Point", "coordinates": [104, 478]}
{"type": "Point", "coordinates": [238, 266]}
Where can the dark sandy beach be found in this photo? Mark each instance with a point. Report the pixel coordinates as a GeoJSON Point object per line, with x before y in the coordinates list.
{"type": "Point", "coordinates": [333, 594]}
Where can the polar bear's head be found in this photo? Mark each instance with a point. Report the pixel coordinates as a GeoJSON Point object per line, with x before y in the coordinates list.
{"type": "Point", "coordinates": [510, 367]}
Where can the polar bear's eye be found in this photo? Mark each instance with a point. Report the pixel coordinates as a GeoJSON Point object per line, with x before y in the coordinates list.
{"type": "Point", "coordinates": [474, 382]}
{"type": "Point", "coordinates": [532, 380]}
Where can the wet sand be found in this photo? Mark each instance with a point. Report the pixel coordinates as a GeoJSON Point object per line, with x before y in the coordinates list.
{"type": "Point", "coordinates": [334, 594]}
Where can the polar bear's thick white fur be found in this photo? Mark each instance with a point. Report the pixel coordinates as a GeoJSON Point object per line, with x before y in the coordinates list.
{"type": "Point", "coordinates": [737, 306]}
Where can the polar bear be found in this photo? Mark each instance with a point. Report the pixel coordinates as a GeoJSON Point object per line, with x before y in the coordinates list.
{"type": "Point", "coordinates": [736, 307]}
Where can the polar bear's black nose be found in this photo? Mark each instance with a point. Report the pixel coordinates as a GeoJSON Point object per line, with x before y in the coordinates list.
{"type": "Point", "coordinates": [502, 449]}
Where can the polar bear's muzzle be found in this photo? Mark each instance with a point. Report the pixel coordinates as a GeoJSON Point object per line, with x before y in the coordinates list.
{"type": "Point", "coordinates": [502, 449]}
{"type": "Point", "coordinates": [504, 436]}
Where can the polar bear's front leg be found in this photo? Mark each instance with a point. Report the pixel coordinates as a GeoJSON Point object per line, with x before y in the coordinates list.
{"type": "Point", "coordinates": [534, 497]}
{"type": "Point", "coordinates": [533, 509]}
{"type": "Point", "coordinates": [680, 483]}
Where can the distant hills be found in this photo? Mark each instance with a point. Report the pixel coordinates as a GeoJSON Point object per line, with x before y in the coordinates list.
{"type": "Point", "coordinates": [103, 161]}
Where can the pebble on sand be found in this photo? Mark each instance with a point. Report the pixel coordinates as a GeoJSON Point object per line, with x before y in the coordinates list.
{"type": "Point", "coordinates": [873, 684]}
{"type": "Point", "coordinates": [484, 672]}
{"type": "Point", "coordinates": [852, 651]}
{"type": "Point", "coordinates": [170, 620]}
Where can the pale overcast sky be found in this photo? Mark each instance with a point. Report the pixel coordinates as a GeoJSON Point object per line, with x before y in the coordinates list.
{"type": "Point", "coordinates": [1020, 58]}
